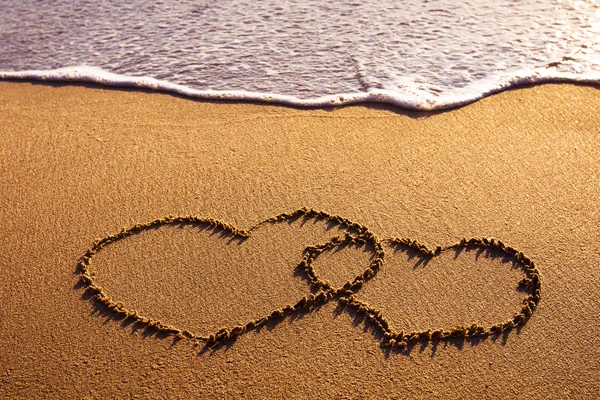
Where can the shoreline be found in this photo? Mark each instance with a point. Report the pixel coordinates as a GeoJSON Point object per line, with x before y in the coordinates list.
{"type": "Point", "coordinates": [409, 101]}
{"type": "Point", "coordinates": [79, 163]}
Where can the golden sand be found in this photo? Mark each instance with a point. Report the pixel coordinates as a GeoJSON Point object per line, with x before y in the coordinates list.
{"type": "Point", "coordinates": [324, 291]}
{"type": "Point", "coordinates": [190, 295]}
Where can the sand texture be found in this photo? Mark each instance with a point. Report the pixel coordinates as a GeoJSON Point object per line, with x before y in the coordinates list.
{"type": "Point", "coordinates": [160, 247]}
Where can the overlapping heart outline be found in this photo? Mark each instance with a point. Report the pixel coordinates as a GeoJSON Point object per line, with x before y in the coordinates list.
{"type": "Point", "coordinates": [346, 294]}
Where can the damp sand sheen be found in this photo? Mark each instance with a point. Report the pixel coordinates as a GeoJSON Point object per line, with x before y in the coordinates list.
{"type": "Point", "coordinates": [150, 247]}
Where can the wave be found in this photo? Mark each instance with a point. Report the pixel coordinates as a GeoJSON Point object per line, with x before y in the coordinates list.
{"type": "Point", "coordinates": [412, 98]}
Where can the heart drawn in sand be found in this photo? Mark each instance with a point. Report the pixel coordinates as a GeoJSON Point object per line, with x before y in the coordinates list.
{"type": "Point", "coordinates": [320, 290]}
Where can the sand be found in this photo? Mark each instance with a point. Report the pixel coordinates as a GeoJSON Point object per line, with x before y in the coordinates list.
{"type": "Point", "coordinates": [78, 164]}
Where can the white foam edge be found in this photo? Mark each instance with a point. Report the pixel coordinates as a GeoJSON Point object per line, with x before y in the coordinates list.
{"type": "Point", "coordinates": [408, 100]}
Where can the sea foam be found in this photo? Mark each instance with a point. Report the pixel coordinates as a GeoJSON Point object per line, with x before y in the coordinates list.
{"type": "Point", "coordinates": [409, 100]}
{"type": "Point", "coordinates": [415, 55]}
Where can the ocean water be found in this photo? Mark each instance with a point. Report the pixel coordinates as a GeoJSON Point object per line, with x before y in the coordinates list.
{"type": "Point", "coordinates": [416, 54]}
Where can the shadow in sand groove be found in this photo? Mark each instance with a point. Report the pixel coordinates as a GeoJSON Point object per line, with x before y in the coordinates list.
{"type": "Point", "coordinates": [322, 291]}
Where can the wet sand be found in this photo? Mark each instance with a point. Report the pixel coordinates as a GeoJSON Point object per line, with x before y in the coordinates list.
{"type": "Point", "coordinates": [78, 164]}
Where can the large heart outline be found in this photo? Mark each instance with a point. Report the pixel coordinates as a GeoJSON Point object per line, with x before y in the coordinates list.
{"type": "Point", "coordinates": [346, 294]}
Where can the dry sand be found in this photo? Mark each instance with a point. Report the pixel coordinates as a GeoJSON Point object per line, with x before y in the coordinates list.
{"type": "Point", "coordinates": [80, 163]}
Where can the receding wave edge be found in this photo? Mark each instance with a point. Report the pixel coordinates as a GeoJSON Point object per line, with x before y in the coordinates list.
{"type": "Point", "coordinates": [404, 99]}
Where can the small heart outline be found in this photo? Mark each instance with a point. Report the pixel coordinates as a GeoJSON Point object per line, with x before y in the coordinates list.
{"type": "Point", "coordinates": [346, 294]}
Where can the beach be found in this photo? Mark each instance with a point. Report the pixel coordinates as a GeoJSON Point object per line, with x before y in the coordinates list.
{"type": "Point", "coordinates": [81, 162]}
